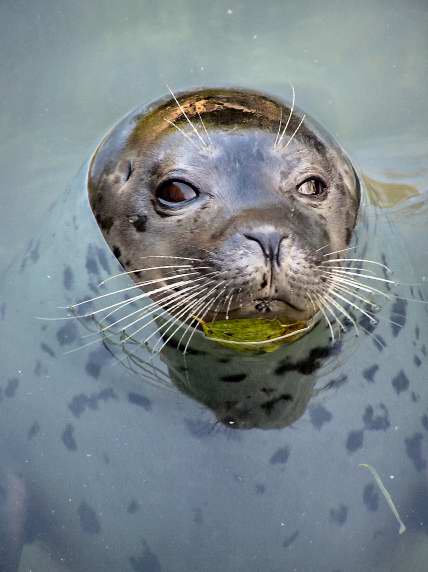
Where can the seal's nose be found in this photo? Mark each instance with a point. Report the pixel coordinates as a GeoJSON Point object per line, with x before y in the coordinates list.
{"type": "Point", "coordinates": [269, 241]}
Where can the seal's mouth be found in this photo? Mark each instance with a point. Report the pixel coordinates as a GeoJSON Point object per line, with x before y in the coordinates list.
{"type": "Point", "coordinates": [274, 305]}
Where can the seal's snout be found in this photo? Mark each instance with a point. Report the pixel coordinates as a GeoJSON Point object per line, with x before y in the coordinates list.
{"type": "Point", "coordinates": [270, 243]}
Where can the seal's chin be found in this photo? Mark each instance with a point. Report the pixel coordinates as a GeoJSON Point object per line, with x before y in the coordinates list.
{"type": "Point", "coordinates": [269, 308]}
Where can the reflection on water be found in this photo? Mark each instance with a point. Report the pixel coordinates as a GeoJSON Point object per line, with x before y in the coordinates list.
{"type": "Point", "coordinates": [121, 468]}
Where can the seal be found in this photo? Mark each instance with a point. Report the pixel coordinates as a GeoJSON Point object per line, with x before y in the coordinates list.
{"type": "Point", "coordinates": [81, 424]}
{"type": "Point", "coordinates": [236, 195]}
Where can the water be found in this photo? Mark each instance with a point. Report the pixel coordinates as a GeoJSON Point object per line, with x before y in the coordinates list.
{"type": "Point", "coordinates": [247, 500]}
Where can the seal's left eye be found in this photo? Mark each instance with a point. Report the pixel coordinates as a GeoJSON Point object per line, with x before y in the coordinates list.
{"type": "Point", "coordinates": [175, 193]}
{"type": "Point", "coordinates": [312, 187]}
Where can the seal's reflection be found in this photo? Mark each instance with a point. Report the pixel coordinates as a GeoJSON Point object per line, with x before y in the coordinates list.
{"type": "Point", "coordinates": [244, 391]}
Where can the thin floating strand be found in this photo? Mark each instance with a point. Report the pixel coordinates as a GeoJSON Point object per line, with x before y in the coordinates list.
{"type": "Point", "coordinates": [386, 494]}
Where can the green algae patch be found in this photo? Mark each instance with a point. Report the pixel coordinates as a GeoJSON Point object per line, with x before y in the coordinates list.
{"type": "Point", "coordinates": [254, 334]}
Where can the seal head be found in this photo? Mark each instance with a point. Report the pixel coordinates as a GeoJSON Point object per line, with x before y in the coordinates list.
{"type": "Point", "coordinates": [225, 201]}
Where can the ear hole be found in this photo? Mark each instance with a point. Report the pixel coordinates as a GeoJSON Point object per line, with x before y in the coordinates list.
{"type": "Point", "coordinates": [123, 171]}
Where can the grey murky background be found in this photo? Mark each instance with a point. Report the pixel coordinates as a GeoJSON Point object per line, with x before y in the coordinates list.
{"type": "Point", "coordinates": [71, 69]}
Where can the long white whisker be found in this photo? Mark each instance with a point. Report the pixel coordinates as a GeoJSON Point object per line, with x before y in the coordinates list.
{"type": "Point", "coordinates": [333, 339]}
{"type": "Point", "coordinates": [201, 318]}
{"type": "Point", "coordinates": [153, 268]}
{"type": "Point", "coordinates": [356, 260]}
{"type": "Point", "coordinates": [342, 310]}
{"type": "Point", "coordinates": [338, 251]}
{"type": "Point", "coordinates": [279, 129]}
{"type": "Point", "coordinates": [295, 131]}
{"type": "Point", "coordinates": [205, 129]}
{"type": "Point", "coordinates": [289, 116]}
{"type": "Point", "coordinates": [187, 311]}
{"type": "Point", "coordinates": [346, 273]}
{"type": "Point", "coordinates": [356, 284]}
{"type": "Point", "coordinates": [372, 320]}
{"type": "Point", "coordinates": [186, 116]}
{"type": "Point", "coordinates": [139, 285]}
{"type": "Point", "coordinates": [183, 133]}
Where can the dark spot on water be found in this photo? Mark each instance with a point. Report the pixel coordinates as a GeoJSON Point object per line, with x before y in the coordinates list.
{"type": "Point", "coordinates": [117, 252]}
{"type": "Point", "coordinates": [68, 438]}
{"type": "Point", "coordinates": [146, 561]}
{"type": "Point", "coordinates": [424, 350]}
{"type": "Point", "coordinates": [67, 334]}
{"type": "Point", "coordinates": [91, 263]}
{"type": "Point", "coordinates": [106, 459]}
{"type": "Point", "coordinates": [417, 361]}
{"type": "Point", "coordinates": [140, 223]}
{"type": "Point", "coordinates": [280, 457]}
{"type": "Point", "coordinates": [234, 378]}
{"type": "Point", "coordinates": [140, 400]}
{"type": "Point", "coordinates": [81, 402]}
{"type": "Point", "coordinates": [339, 515]}
{"type": "Point", "coordinates": [133, 507]}
{"type": "Point", "coordinates": [68, 278]}
{"type": "Point", "coordinates": [103, 260]}
{"type": "Point", "coordinates": [367, 324]}
{"type": "Point", "coordinates": [11, 387]}
{"type": "Point", "coordinates": [2, 311]}
{"type": "Point", "coordinates": [33, 430]}
{"type": "Point", "coordinates": [336, 382]}
{"type": "Point", "coordinates": [290, 539]}
{"type": "Point", "coordinates": [305, 366]}
{"type": "Point", "coordinates": [354, 441]}
{"type": "Point", "coordinates": [414, 451]}
{"type": "Point", "coordinates": [370, 372]}
{"type": "Point", "coordinates": [198, 428]}
{"type": "Point", "coordinates": [269, 406]}
{"type": "Point", "coordinates": [96, 361]}
{"type": "Point", "coordinates": [417, 332]}
{"type": "Point", "coordinates": [374, 422]}
{"type": "Point", "coordinates": [319, 415]}
{"type": "Point", "coordinates": [379, 342]}
{"type": "Point", "coordinates": [398, 315]}
{"type": "Point", "coordinates": [400, 382]}
{"type": "Point", "coordinates": [424, 421]}
{"type": "Point", "coordinates": [260, 488]}
{"type": "Point", "coordinates": [88, 519]}
{"type": "Point", "coordinates": [47, 349]}
{"type": "Point", "coordinates": [223, 360]}
{"type": "Point", "coordinates": [415, 397]}
{"type": "Point", "coordinates": [371, 497]}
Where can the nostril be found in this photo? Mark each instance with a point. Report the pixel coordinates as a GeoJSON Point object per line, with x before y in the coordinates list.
{"type": "Point", "coordinates": [269, 242]}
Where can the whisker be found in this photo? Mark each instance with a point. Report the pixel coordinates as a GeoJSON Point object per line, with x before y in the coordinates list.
{"type": "Point", "coordinates": [205, 129]}
{"type": "Point", "coordinates": [186, 116]}
{"type": "Point", "coordinates": [279, 130]}
{"type": "Point", "coordinates": [337, 295]}
{"type": "Point", "coordinates": [338, 251]}
{"type": "Point", "coordinates": [187, 310]}
{"type": "Point", "coordinates": [153, 268]}
{"type": "Point", "coordinates": [342, 309]}
{"type": "Point", "coordinates": [197, 310]}
{"type": "Point", "coordinates": [139, 285]}
{"type": "Point", "coordinates": [289, 116]}
{"type": "Point", "coordinates": [295, 131]}
{"type": "Point", "coordinates": [346, 273]}
{"type": "Point", "coordinates": [333, 339]}
{"type": "Point", "coordinates": [356, 268]}
{"type": "Point", "coordinates": [202, 288]}
{"type": "Point", "coordinates": [168, 256]}
{"type": "Point", "coordinates": [196, 325]}
{"type": "Point", "coordinates": [183, 133]}
{"type": "Point", "coordinates": [357, 260]}
{"type": "Point", "coordinates": [356, 284]}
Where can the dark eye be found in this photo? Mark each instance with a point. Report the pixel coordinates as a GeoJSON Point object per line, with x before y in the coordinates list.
{"type": "Point", "coordinates": [312, 187]}
{"type": "Point", "coordinates": [175, 194]}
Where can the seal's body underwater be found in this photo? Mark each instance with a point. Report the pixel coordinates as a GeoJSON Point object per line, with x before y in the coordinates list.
{"type": "Point", "coordinates": [108, 472]}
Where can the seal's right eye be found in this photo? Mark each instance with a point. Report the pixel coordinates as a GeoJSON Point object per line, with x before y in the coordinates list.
{"type": "Point", "coordinates": [173, 194]}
